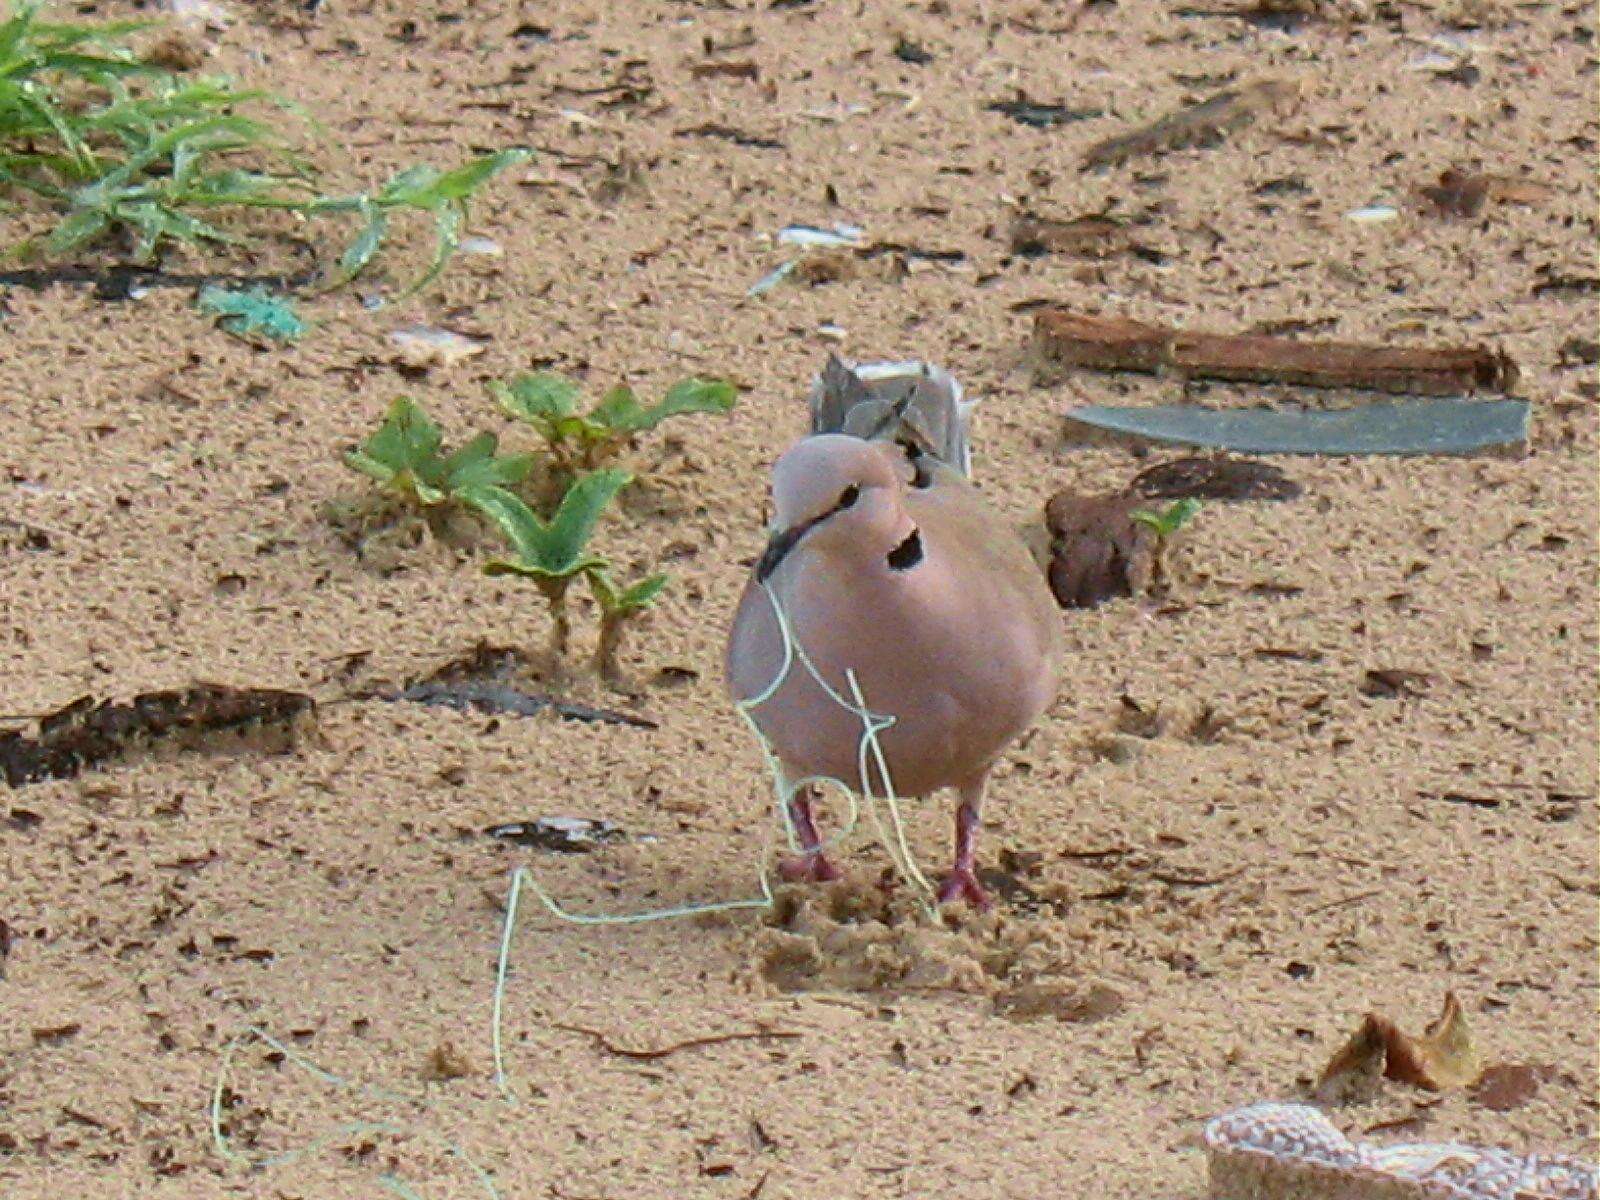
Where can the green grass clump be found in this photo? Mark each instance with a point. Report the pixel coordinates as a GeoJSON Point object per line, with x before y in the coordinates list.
{"type": "Point", "coordinates": [121, 149]}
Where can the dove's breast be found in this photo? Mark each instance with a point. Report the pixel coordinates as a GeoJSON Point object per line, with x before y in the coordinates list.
{"type": "Point", "coordinates": [959, 650]}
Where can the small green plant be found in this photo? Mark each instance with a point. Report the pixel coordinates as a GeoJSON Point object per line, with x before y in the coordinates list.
{"type": "Point", "coordinates": [549, 536]}
{"type": "Point", "coordinates": [553, 553]}
{"type": "Point", "coordinates": [584, 441]}
{"type": "Point", "coordinates": [443, 195]}
{"type": "Point", "coordinates": [120, 147]}
{"type": "Point", "coordinates": [1178, 514]}
{"type": "Point", "coordinates": [617, 605]}
{"type": "Point", "coordinates": [405, 456]}
{"type": "Point", "coordinates": [1166, 525]}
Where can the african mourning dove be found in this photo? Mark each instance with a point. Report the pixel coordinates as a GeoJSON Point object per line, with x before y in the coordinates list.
{"type": "Point", "coordinates": [886, 561]}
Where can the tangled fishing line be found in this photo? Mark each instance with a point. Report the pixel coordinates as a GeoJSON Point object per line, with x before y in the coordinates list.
{"type": "Point", "coordinates": [872, 766]}
{"type": "Point", "coordinates": [869, 753]}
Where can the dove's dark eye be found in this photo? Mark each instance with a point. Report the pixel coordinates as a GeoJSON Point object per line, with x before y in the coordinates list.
{"type": "Point", "coordinates": [848, 497]}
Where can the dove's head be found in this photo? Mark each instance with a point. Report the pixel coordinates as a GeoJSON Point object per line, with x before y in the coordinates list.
{"type": "Point", "coordinates": [836, 495]}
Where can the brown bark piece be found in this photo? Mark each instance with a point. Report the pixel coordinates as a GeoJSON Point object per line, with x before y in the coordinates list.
{"type": "Point", "coordinates": [1118, 344]}
{"type": "Point", "coordinates": [84, 734]}
{"type": "Point", "coordinates": [1211, 118]}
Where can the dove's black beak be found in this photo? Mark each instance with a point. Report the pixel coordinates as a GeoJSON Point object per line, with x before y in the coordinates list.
{"type": "Point", "coordinates": [785, 540]}
{"type": "Point", "coordinates": [778, 547]}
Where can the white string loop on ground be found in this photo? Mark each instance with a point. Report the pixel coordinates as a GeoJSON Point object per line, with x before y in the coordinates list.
{"type": "Point", "coordinates": [390, 1182]}
{"type": "Point", "coordinates": [870, 750]}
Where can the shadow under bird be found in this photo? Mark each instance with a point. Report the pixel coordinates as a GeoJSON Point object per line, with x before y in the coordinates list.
{"type": "Point", "coordinates": [886, 562]}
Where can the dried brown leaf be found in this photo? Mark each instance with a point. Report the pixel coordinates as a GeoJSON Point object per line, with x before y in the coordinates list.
{"type": "Point", "coordinates": [1087, 236]}
{"type": "Point", "coordinates": [1198, 123]}
{"type": "Point", "coordinates": [725, 69]}
{"type": "Point", "coordinates": [1466, 193]}
{"type": "Point", "coordinates": [1387, 683]}
{"type": "Point", "coordinates": [1459, 194]}
{"type": "Point", "coordinates": [1443, 1057]}
{"type": "Point", "coordinates": [52, 1034]}
{"type": "Point", "coordinates": [445, 1063]}
{"type": "Point", "coordinates": [1440, 1058]}
{"type": "Point", "coordinates": [1214, 477]}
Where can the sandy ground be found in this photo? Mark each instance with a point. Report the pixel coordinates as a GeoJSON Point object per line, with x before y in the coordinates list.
{"type": "Point", "coordinates": [1214, 894]}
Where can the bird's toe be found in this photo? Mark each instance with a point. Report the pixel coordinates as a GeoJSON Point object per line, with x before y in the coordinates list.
{"type": "Point", "coordinates": [808, 868]}
{"type": "Point", "coordinates": [962, 884]}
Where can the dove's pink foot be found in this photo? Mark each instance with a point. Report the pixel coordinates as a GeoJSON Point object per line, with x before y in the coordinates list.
{"type": "Point", "coordinates": [810, 865]}
{"type": "Point", "coordinates": [808, 868]}
{"type": "Point", "coordinates": [962, 882]}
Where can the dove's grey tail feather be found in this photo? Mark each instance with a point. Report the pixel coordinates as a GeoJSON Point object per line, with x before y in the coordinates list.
{"type": "Point", "coordinates": [908, 401]}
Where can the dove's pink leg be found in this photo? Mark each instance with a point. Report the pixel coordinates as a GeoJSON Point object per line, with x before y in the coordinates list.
{"type": "Point", "coordinates": [962, 882]}
{"type": "Point", "coordinates": [810, 865]}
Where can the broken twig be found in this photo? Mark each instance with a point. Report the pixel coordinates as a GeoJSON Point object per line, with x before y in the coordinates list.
{"type": "Point", "coordinates": [1118, 344]}
{"type": "Point", "coordinates": [712, 1039]}
{"type": "Point", "coordinates": [1198, 123]}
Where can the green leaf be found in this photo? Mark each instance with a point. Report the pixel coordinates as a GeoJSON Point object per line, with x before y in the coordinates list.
{"type": "Point", "coordinates": [687, 396]}
{"type": "Point", "coordinates": [475, 465]}
{"type": "Point", "coordinates": [618, 410]}
{"type": "Point", "coordinates": [359, 253]}
{"type": "Point", "coordinates": [538, 399]}
{"type": "Point", "coordinates": [462, 182]}
{"type": "Point", "coordinates": [470, 457]}
{"type": "Point", "coordinates": [405, 187]}
{"type": "Point", "coordinates": [642, 594]}
{"type": "Point", "coordinates": [1167, 523]}
{"type": "Point", "coordinates": [356, 460]}
{"type": "Point", "coordinates": [505, 510]}
{"type": "Point", "coordinates": [556, 549]}
{"type": "Point", "coordinates": [447, 236]}
{"type": "Point", "coordinates": [695, 395]}
{"type": "Point", "coordinates": [408, 441]}
{"type": "Point", "coordinates": [77, 229]}
{"type": "Point", "coordinates": [624, 602]}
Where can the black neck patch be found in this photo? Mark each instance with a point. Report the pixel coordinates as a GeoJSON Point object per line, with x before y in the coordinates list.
{"type": "Point", "coordinates": [908, 553]}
